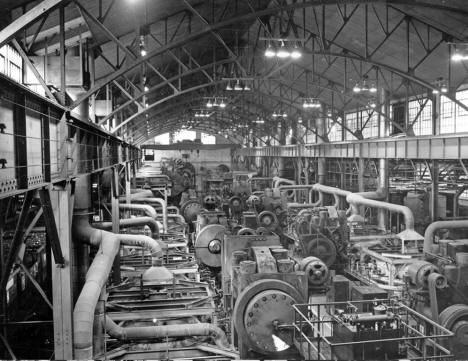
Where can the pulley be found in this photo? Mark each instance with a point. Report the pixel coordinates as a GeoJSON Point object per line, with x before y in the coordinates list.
{"type": "Point", "coordinates": [208, 245]}
{"type": "Point", "coordinates": [268, 220]}
{"type": "Point", "coordinates": [320, 247]}
{"type": "Point", "coordinates": [316, 270]}
{"type": "Point", "coordinates": [191, 209]}
{"type": "Point", "coordinates": [455, 319]}
{"type": "Point", "coordinates": [263, 315]}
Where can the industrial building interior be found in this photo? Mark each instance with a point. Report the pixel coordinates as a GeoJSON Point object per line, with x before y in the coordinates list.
{"type": "Point", "coordinates": [234, 179]}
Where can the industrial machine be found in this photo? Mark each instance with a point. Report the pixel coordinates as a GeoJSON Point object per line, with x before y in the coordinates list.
{"type": "Point", "coordinates": [260, 285]}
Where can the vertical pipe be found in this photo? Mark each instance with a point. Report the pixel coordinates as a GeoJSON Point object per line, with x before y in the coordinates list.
{"type": "Point", "coordinates": [382, 219]}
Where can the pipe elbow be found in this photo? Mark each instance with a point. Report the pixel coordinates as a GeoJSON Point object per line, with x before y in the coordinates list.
{"type": "Point", "coordinates": [156, 247]}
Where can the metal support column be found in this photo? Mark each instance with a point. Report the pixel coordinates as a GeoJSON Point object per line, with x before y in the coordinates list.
{"type": "Point", "coordinates": [434, 208]}
{"type": "Point", "coordinates": [127, 181]}
{"type": "Point", "coordinates": [115, 221]}
{"type": "Point", "coordinates": [321, 138]}
{"type": "Point", "coordinates": [62, 295]}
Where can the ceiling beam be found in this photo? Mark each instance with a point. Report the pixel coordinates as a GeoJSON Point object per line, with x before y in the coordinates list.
{"type": "Point", "coordinates": [41, 9]}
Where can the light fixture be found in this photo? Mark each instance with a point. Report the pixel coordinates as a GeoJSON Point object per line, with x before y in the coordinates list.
{"type": "Point", "coordinates": [282, 52]}
{"type": "Point", "coordinates": [270, 52]}
{"type": "Point", "coordinates": [202, 114]}
{"type": "Point", "coordinates": [247, 88]}
{"type": "Point", "coordinates": [311, 103]}
{"type": "Point", "coordinates": [238, 87]}
{"type": "Point", "coordinates": [228, 86]}
{"type": "Point", "coordinates": [142, 46]}
{"type": "Point", "coordinates": [146, 87]}
{"type": "Point", "coordinates": [461, 52]}
{"type": "Point", "coordinates": [363, 86]}
{"type": "Point", "coordinates": [295, 53]}
{"type": "Point", "coordinates": [215, 102]}
{"type": "Point", "coordinates": [440, 86]}
{"type": "Point", "coordinates": [259, 121]}
{"type": "Point", "coordinates": [372, 103]}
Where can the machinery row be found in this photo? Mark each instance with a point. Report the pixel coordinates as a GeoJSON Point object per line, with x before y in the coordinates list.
{"type": "Point", "coordinates": [256, 268]}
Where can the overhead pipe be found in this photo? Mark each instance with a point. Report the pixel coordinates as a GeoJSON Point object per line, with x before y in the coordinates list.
{"type": "Point", "coordinates": [433, 227]}
{"type": "Point", "coordinates": [409, 233]}
{"type": "Point", "coordinates": [137, 193]}
{"type": "Point", "coordinates": [160, 201]}
{"type": "Point", "coordinates": [278, 180]}
{"type": "Point", "coordinates": [147, 209]}
{"type": "Point", "coordinates": [308, 187]}
{"type": "Point", "coordinates": [150, 332]}
{"type": "Point", "coordinates": [132, 222]}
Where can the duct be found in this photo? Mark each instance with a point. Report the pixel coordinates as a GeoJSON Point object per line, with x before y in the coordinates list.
{"type": "Point", "coordinates": [163, 204]}
{"type": "Point", "coordinates": [96, 277]}
{"type": "Point", "coordinates": [337, 192]}
{"type": "Point", "coordinates": [177, 217]}
{"type": "Point", "coordinates": [136, 194]}
{"type": "Point", "coordinates": [301, 187]}
{"type": "Point", "coordinates": [433, 227]}
{"type": "Point", "coordinates": [278, 180]}
{"type": "Point", "coordinates": [147, 209]}
{"type": "Point", "coordinates": [174, 209]}
{"type": "Point", "coordinates": [132, 222]}
{"type": "Point", "coordinates": [149, 332]}
{"type": "Point", "coordinates": [409, 233]}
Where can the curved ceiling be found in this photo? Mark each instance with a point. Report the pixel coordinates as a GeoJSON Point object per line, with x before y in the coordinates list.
{"type": "Point", "coordinates": [194, 46]}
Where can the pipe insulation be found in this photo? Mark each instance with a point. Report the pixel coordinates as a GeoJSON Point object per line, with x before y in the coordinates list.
{"type": "Point", "coordinates": [97, 275]}
{"type": "Point", "coordinates": [433, 227]}
{"type": "Point", "coordinates": [152, 332]}
{"type": "Point", "coordinates": [152, 201]}
{"type": "Point", "coordinates": [132, 222]}
{"type": "Point", "coordinates": [147, 209]}
{"type": "Point", "coordinates": [358, 200]}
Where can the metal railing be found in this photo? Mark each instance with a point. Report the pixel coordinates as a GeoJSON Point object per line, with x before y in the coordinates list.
{"type": "Point", "coordinates": [314, 331]}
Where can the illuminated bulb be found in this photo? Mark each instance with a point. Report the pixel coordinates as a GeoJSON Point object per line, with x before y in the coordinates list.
{"type": "Point", "coordinates": [270, 52]}
{"type": "Point", "coordinates": [209, 104]}
{"type": "Point", "coordinates": [357, 89]}
{"type": "Point", "coordinates": [146, 88]}
{"type": "Point", "coordinates": [435, 91]}
{"type": "Point", "coordinates": [373, 89]}
{"type": "Point", "coordinates": [237, 86]}
{"type": "Point", "coordinates": [222, 104]}
{"type": "Point", "coordinates": [444, 89]}
{"type": "Point", "coordinates": [228, 86]}
{"type": "Point", "coordinates": [143, 51]}
{"type": "Point", "coordinates": [282, 53]}
{"type": "Point", "coordinates": [295, 53]}
{"type": "Point", "coordinates": [247, 88]}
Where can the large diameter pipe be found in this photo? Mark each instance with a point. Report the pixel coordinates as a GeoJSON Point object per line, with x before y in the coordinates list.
{"type": "Point", "coordinates": [358, 200]}
{"type": "Point", "coordinates": [132, 222]}
{"type": "Point", "coordinates": [147, 209]}
{"type": "Point", "coordinates": [96, 277]}
{"type": "Point", "coordinates": [278, 180]}
{"type": "Point", "coordinates": [433, 227]}
{"type": "Point", "coordinates": [138, 193]}
{"type": "Point", "coordinates": [151, 332]}
{"type": "Point", "coordinates": [297, 187]}
{"type": "Point", "coordinates": [162, 203]}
